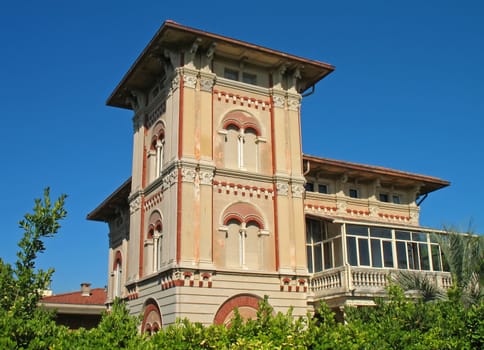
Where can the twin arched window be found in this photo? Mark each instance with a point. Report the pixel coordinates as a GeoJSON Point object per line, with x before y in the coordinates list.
{"type": "Point", "coordinates": [156, 153]}
{"type": "Point", "coordinates": [241, 141]}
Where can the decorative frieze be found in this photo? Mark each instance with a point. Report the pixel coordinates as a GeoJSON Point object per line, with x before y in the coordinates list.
{"type": "Point", "coordinates": [278, 101]}
{"type": "Point", "coordinates": [135, 205]}
{"type": "Point", "coordinates": [153, 200]}
{"type": "Point", "coordinates": [297, 190]}
{"type": "Point", "coordinates": [188, 174]}
{"type": "Point", "coordinates": [282, 188]}
{"type": "Point", "coordinates": [206, 83]}
{"type": "Point", "coordinates": [170, 179]}
{"type": "Point", "coordinates": [235, 99]}
{"type": "Point", "coordinates": [189, 81]}
{"type": "Point", "coordinates": [293, 104]}
{"type": "Point", "coordinates": [206, 177]}
{"type": "Point", "coordinates": [224, 187]}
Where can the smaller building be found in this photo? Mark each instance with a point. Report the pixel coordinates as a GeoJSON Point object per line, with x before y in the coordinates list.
{"type": "Point", "coordinates": [83, 308]}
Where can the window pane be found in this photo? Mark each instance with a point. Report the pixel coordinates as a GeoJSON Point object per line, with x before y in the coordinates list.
{"type": "Point", "coordinates": [338, 252]}
{"type": "Point", "coordinates": [364, 251]}
{"type": "Point", "coordinates": [353, 193]}
{"type": "Point", "coordinates": [249, 78]}
{"type": "Point", "coordinates": [404, 235]}
{"type": "Point", "coordinates": [352, 255]}
{"type": "Point", "coordinates": [318, 258]}
{"type": "Point", "coordinates": [376, 253]}
{"type": "Point", "coordinates": [231, 74]}
{"type": "Point", "coordinates": [316, 231]}
{"type": "Point", "coordinates": [309, 252]}
{"type": "Point", "coordinates": [396, 199]}
{"type": "Point", "coordinates": [413, 260]}
{"type": "Point", "coordinates": [436, 257]}
{"type": "Point", "coordinates": [328, 255]}
{"type": "Point", "coordinates": [424, 256]}
{"type": "Point", "coordinates": [383, 197]}
{"type": "Point", "coordinates": [419, 236]}
{"type": "Point", "coordinates": [322, 189]}
{"type": "Point", "coordinates": [402, 255]}
{"type": "Point", "coordinates": [387, 254]}
{"type": "Point", "coordinates": [357, 230]}
{"type": "Point", "coordinates": [309, 187]}
{"type": "Point", "coordinates": [381, 232]}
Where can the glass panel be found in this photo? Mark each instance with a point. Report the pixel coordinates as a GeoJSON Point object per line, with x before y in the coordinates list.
{"type": "Point", "coordinates": [338, 252]}
{"type": "Point", "coordinates": [364, 252]}
{"type": "Point", "coordinates": [436, 257]}
{"type": "Point", "coordinates": [231, 74]}
{"type": "Point", "coordinates": [433, 238]}
{"type": "Point", "coordinates": [318, 258]}
{"type": "Point", "coordinates": [387, 254]}
{"type": "Point", "coordinates": [309, 252]}
{"type": "Point", "coordinates": [352, 255]}
{"type": "Point", "coordinates": [402, 255]}
{"type": "Point", "coordinates": [396, 199]}
{"type": "Point", "coordinates": [309, 187]}
{"type": "Point", "coordinates": [328, 255]}
{"type": "Point", "coordinates": [424, 256]}
{"type": "Point", "coordinates": [376, 253]}
{"type": "Point", "coordinates": [249, 78]}
{"type": "Point", "coordinates": [419, 236]}
{"type": "Point", "coordinates": [308, 232]}
{"type": "Point", "coordinates": [322, 189]}
{"type": "Point", "coordinates": [357, 230]}
{"type": "Point", "coordinates": [383, 197]}
{"type": "Point", "coordinates": [413, 261]}
{"type": "Point", "coordinates": [404, 235]}
{"type": "Point", "coordinates": [353, 193]}
{"type": "Point", "coordinates": [381, 232]}
{"type": "Point", "coordinates": [316, 231]}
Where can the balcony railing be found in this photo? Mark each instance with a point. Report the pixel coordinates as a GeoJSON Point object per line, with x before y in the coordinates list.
{"type": "Point", "coordinates": [360, 280]}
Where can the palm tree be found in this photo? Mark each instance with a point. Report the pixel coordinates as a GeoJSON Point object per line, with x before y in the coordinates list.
{"type": "Point", "coordinates": [464, 258]}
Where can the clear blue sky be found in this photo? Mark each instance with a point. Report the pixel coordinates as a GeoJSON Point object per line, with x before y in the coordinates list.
{"type": "Point", "coordinates": [407, 93]}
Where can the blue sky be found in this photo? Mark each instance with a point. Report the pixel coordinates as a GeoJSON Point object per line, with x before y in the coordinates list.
{"type": "Point", "coordinates": [407, 93]}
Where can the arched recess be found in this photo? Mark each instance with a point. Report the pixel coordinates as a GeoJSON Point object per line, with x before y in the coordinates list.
{"type": "Point", "coordinates": [241, 136]}
{"type": "Point", "coordinates": [244, 212]}
{"type": "Point", "coordinates": [117, 274]}
{"type": "Point", "coordinates": [156, 151]}
{"type": "Point", "coordinates": [153, 245]}
{"type": "Point", "coordinates": [246, 304]}
{"type": "Point", "coordinates": [152, 321]}
{"type": "Point", "coordinates": [244, 242]}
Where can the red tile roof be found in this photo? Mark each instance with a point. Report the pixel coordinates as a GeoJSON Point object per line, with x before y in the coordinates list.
{"type": "Point", "coordinates": [97, 297]}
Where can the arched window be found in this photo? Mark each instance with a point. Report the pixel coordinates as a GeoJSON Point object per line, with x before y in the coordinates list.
{"type": "Point", "coordinates": [117, 277]}
{"type": "Point", "coordinates": [153, 255]}
{"type": "Point", "coordinates": [156, 153]}
{"type": "Point", "coordinates": [241, 141]}
{"type": "Point", "coordinates": [243, 240]}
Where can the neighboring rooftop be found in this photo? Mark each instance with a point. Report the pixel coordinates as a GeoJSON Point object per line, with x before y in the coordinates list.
{"type": "Point", "coordinates": [334, 167]}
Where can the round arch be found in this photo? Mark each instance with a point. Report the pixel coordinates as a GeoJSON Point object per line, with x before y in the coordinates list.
{"type": "Point", "coordinates": [247, 305]}
{"type": "Point", "coordinates": [244, 212]}
{"type": "Point", "coordinates": [152, 321]}
{"type": "Point", "coordinates": [241, 119]}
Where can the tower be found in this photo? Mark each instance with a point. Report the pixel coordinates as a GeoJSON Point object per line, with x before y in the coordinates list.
{"type": "Point", "coordinates": [213, 215]}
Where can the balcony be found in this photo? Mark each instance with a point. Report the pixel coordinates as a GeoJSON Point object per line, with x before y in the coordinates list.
{"type": "Point", "coordinates": [353, 281]}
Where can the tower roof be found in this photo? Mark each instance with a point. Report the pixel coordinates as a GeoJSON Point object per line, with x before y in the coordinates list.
{"type": "Point", "coordinates": [172, 35]}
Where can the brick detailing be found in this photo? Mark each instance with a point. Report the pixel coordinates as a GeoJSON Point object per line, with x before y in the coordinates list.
{"type": "Point", "coordinates": [243, 190]}
{"type": "Point", "coordinates": [152, 321]}
{"type": "Point", "coordinates": [294, 285]}
{"type": "Point", "coordinates": [237, 301]}
{"type": "Point", "coordinates": [321, 208]}
{"type": "Point", "coordinates": [394, 217]}
{"type": "Point", "coordinates": [239, 100]}
{"type": "Point", "coordinates": [153, 200]}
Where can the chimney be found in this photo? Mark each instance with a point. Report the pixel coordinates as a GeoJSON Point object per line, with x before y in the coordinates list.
{"type": "Point", "coordinates": [85, 289]}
